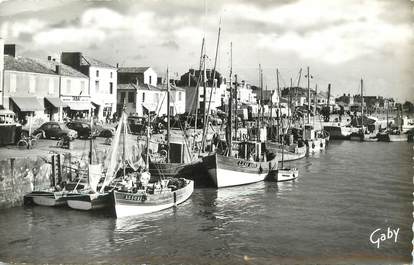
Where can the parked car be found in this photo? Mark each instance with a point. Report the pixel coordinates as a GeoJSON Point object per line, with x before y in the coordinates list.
{"type": "Point", "coordinates": [103, 130]}
{"type": "Point", "coordinates": [82, 128]}
{"type": "Point", "coordinates": [55, 130]}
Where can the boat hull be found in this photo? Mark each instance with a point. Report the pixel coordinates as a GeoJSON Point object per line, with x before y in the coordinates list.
{"type": "Point", "coordinates": [338, 132]}
{"type": "Point", "coordinates": [286, 174]}
{"type": "Point", "coordinates": [229, 171]}
{"type": "Point", "coordinates": [386, 137]}
{"type": "Point", "coordinates": [47, 198]}
{"type": "Point", "coordinates": [287, 155]}
{"type": "Point", "coordinates": [316, 145]}
{"type": "Point", "coordinates": [87, 202]}
{"type": "Point", "coordinates": [129, 204]}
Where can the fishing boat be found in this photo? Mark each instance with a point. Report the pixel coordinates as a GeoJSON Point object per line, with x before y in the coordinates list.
{"type": "Point", "coordinates": [134, 194]}
{"type": "Point", "coordinates": [119, 162]}
{"type": "Point", "coordinates": [243, 163]}
{"type": "Point", "coordinates": [291, 152]}
{"type": "Point", "coordinates": [285, 173]}
{"type": "Point", "coordinates": [152, 197]}
{"type": "Point", "coordinates": [316, 140]}
{"type": "Point", "coordinates": [338, 131]}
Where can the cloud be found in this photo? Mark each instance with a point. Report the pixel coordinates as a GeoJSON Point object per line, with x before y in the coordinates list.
{"type": "Point", "coordinates": [27, 26]}
{"type": "Point", "coordinates": [170, 44]}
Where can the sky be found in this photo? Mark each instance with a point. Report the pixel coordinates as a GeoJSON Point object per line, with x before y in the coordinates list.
{"type": "Point", "coordinates": [341, 41]}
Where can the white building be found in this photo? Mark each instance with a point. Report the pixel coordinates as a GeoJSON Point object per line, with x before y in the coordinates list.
{"type": "Point", "coordinates": [1, 70]}
{"type": "Point", "coordinates": [139, 97]}
{"type": "Point", "coordinates": [102, 81]}
{"type": "Point", "coordinates": [73, 89]}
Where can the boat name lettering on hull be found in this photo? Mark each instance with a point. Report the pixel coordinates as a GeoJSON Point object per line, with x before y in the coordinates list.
{"type": "Point", "coordinates": [246, 164]}
{"type": "Point", "coordinates": [133, 197]}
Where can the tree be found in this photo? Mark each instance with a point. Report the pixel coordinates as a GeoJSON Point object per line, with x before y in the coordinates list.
{"type": "Point", "coordinates": [408, 106]}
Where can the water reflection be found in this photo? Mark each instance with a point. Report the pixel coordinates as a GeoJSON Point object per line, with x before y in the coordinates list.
{"type": "Point", "coordinates": [337, 200]}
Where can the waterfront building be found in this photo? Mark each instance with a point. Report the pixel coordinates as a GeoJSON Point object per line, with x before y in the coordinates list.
{"type": "Point", "coordinates": [73, 89]}
{"type": "Point", "coordinates": [102, 81]}
{"type": "Point", "coordinates": [1, 71]}
{"type": "Point", "coordinates": [216, 88]}
{"type": "Point", "coordinates": [30, 89]}
{"type": "Point", "coordinates": [140, 87]}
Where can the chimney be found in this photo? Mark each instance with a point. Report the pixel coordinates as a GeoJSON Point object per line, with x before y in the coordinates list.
{"type": "Point", "coordinates": [117, 65]}
{"type": "Point", "coordinates": [49, 58]}
{"type": "Point", "coordinates": [10, 49]}
{"type": "Point", "coordinates": [58, 69]}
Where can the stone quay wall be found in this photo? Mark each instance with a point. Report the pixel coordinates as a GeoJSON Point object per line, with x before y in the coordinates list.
{"type": "Point", "coordinates": [19, 176]}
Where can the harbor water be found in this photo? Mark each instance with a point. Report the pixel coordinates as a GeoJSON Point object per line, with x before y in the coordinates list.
{"type": "Point", "coordinates": [327, 215]}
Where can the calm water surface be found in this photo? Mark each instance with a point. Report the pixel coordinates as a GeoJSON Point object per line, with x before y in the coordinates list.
{"type": "Point", "coordinates": [327, 215]}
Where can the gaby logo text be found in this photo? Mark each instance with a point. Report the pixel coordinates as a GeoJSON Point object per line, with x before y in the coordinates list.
{"type": "Point", "coordinates": [377, 237]}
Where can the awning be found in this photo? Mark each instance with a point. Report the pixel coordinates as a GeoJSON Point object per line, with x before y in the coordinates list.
{"type": "Point", "coordinates": [28, 103]}
{"type": "Point", "coordinates": [56, 102]}
{"type": "Point", "coordinates": [79, 105]}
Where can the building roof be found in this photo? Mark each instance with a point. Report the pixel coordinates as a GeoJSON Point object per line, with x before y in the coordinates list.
{"type": "Point", "coordinates": [86, 60]}
{"type": "Point", "coordinates": [23, 64]}
{"type": "Point", "coordinates": [129, 86]}
{"type": "Point", "coordinates": [133, 69]}
{"type": "Point", "coordinates": [65, 70]}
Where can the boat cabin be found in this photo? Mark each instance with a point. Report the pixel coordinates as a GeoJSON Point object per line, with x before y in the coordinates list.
{"type": "Point", "coordinates": [252, 151]}
{"type": "Point", "coordinates": [10, 130]}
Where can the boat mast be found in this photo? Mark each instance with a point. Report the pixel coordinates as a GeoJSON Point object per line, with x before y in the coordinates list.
{"type": "Point", "coordinates": [236, 119]}
{"type": "Point", "coordinates": [168, 118]}
{"type": "Point", "coordinates": [148, 140]}
{"type": "Point", "coordinates": [308, 76]}
{"type": "Point", "coordinates": [214, 84]}
{"type": "Point", "coordinates": [315, 97]}
{"type": "Point", "coordinates": [259, 101]}
{"type": "Point", "coordinates": [279, 116]}
{"type": "Point", "coordinates": [388, 106]}
{"type": "Point", "coordinates": [123, 136]}
{"type": "Point", "coordinates": [362, 106]}
{"type": "Point", "coordinates": [229, 118]}
{"type": "Point", "coordinates": [290, 102]}
{"type": "Point", "coordinates": [198, 90]}
{"type": "Point", "coordinates": [91, 142]}
{"type": "Point", "coordinates": [204, 95]}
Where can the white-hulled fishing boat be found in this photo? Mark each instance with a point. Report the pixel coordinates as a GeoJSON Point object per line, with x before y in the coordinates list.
{"type": "Point", "coordinates": [226, 171]}
{"type": "Point", "coordinates": [153, 197]}
{"type": "Point", "coordinates": [248, 164]}
{"type": "Point", "coordinates": [143, 197]}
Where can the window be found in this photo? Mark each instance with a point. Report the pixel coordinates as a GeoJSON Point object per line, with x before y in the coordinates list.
{"type": "Point", "coordinates": [122, 97]}
{"type": "Point", "coordinates": [68, 86]}
{"type": "Point", "coordinates": [12, 83]}
{"type": "Point", "coordinates": [110, 75]}
{"type": "Point", "coordinates": [179, 96]}
{"type": "Point", "coordinates": [143, 96]}
{"type": "Point", "coordinates": [97, 85]}
{"type": "Point", "coordinates": [131, 96]}
{"type": "Point", "coordinates": [97, 73]}
{"type": "Point", "coordinates": [32, 84]}
{"type": "Point", "coordinates": [51, 86]}
{"type": "Point", "coordinates": [150, 78]}
{"type": "Point", "coordinates": [111, 87]}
